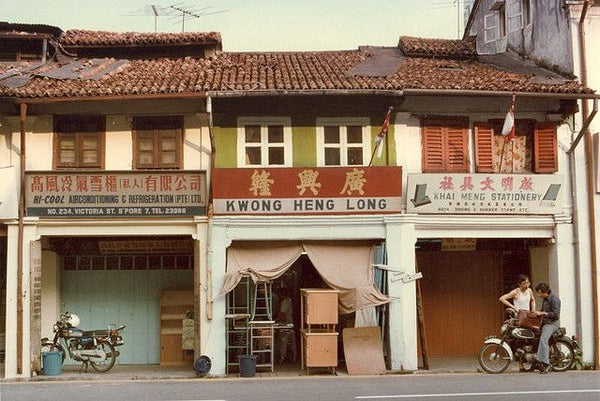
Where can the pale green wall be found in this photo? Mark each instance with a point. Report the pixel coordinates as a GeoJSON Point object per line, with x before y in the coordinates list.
{"type": "Point", "coordinates": [130, 297]}
{"type": "Point", "coordinates": [304, 142]}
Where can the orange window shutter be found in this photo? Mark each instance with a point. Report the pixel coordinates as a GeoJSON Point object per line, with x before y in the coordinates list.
{"type": "Point", "coordinates": [433, 149]}
{"type": "Point", "coordinates": [545, 149]}
{"type": "Point", "coordinates": [484, 148]}
{"type": "Point", "coordinates": [457, 149]}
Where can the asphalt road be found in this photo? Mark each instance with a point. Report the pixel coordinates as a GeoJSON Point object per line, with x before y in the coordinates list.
{"type": "Point", "coordinates": [580, 386]}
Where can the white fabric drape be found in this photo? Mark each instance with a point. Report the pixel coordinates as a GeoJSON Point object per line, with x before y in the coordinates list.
{"type": "Point", "coordinates": [344, 266]}
{"type": "Point", "coordinates": [262, 261]}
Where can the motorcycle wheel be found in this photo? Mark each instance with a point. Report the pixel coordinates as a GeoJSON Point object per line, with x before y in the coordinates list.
{"type": "Point", "coordinates": [107, 364]}
{"type": "Point", "coordinates": [562, 355]}
{"type": "Point", "coordinates": [50, 346]}
{"type": "Point", "coordinates": [493, 358]}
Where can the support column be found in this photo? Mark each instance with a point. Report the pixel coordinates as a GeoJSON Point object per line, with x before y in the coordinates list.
{"type": "Point", "coordinates": [400, 243]}
{"type": "Point", "coordinates": [12, 367]}
{"type": "Point", "coordinates": [213, 330]}
{"type": "Point", "coordinates": [562, 275]}
{"type": "Point", "coordinates": [201, 282]}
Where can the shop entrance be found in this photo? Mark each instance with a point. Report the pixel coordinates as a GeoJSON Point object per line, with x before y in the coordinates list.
{"type": "Point", "coordinates": [145, 283]}
{"type": "Point", "coordinates": [460, 291]}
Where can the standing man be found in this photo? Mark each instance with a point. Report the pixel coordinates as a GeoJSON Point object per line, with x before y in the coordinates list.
{"type": "Point", "coordinates": [550, 314]}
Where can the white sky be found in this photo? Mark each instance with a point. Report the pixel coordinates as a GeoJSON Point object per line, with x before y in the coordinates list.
{"type": "Point", "coordinates": [261, 25]}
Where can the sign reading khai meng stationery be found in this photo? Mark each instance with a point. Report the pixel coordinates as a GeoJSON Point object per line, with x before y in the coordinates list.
{"type": "Point", "coordinates": [485, 193]}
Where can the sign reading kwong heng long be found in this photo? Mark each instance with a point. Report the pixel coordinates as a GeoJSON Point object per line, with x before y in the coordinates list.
{"type": "Point", "coordinates": [116, 194]}
{"type": "Point", "coordinates": [307, 190]}
{"type": "Point", "coordinates": [485, 193]}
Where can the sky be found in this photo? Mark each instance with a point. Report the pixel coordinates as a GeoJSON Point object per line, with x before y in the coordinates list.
{"type": "Point", "coordinates": [253, 25]}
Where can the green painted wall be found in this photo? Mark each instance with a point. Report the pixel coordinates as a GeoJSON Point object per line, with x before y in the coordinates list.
{"type": "Point", "coordinates": [130, 297]}
{"type": "Point", "coordinates": [225, 147]}
{"type": "Point", "coordinates": [304, 142]}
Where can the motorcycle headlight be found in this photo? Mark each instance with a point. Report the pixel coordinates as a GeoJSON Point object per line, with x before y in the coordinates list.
{"type": "Point", "coordinates": [55, 327]}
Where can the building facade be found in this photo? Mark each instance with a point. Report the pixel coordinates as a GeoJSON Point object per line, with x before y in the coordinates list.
{"type": "Point", "coordinates": [149, 173]}
{"type": "Point", "coordinates": [559, 35]}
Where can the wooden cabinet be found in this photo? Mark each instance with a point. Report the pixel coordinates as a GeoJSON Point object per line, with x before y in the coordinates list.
{"type": "Point", "coordinates": [173, 308]}
{"type": "Point", "coordinates": [319, 312]}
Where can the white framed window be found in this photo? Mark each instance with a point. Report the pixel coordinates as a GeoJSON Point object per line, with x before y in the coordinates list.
{"type": "Point", "coordinates": [343, 142]}
{"type": "Point", "coordinates": [490, 27]}
{"type": "Point", "coordinates": [264, 141]}
{"type": "Point", "coordinates": [515, 15]}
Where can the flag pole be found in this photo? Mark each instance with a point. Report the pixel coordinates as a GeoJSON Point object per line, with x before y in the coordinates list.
{"type": "Point", "coordinates": [382, 135]}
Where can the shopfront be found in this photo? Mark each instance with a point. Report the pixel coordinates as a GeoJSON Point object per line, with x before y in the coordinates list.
{"type": "Point", "coordinates": [475, 234]}
{"type": "Point", "coordinates": [114, 248]}
{"type": "Point", "coordinates": [299, 228]}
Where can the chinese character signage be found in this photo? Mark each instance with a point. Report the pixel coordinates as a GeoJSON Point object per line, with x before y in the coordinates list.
{"type": "Point", "coordinates": [308, 190]}
{"type": "Point", "coordinates": [484, 193]}
{"type": "Point", "coordinates": [116, 194]}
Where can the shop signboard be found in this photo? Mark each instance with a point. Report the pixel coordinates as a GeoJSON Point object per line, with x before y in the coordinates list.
{"type": "Point", "coordinates": [307, 190]}
{"type": "Point", "coordinates": [115, 194]}
{"type": "Point", "coordinates": [485, 193]}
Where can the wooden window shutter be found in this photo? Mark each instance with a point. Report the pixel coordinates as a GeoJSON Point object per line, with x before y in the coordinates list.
{"type": "Point", "coordinates": [484, 148]}
{"type": "Point", "coordinates": [433, 149]}
{"type": "Point", "coordinates": [457, 149]}
{"type": "Point", "coordinates": [545, 153]}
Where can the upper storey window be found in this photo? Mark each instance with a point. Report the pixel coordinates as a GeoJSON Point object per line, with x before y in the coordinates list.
{"type": "Point", "coordinates": [445, 146]}
{"type": "Point", "coordinates": [264, 142]}
{"type": "Point", "coordinates": [79, 141]}
{"type": "Point", "coordinates": [533, 149]}
{"type": "Point", "coordinates": [343, 142]}
{"type": "Point", "coordinates": [158, 142]}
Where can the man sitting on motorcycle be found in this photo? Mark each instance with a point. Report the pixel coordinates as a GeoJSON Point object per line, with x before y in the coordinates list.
{"type": "Point", "coordinates": [550, 314]}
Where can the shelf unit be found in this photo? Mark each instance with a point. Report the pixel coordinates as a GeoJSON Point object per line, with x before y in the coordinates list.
{"type": "Point", "coordinates": [237, 328]}
{"type": "Point", "coordinates": [319, 312]}
{"type": "Point", "coordinates": [173, 308]}
{"type": "Point", "coordinates": [261, 326]}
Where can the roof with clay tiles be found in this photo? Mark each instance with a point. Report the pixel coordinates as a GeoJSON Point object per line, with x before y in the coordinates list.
{"type": "Point", "coordinates": [420, 64]}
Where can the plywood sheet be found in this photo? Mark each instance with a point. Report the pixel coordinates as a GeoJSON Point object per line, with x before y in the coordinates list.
{"type": "Point", "coordinates": [363, 351]}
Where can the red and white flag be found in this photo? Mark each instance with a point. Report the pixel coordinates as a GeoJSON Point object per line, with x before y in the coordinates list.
{"type": "Point", "coordinates": [382, 133]}
{"type": "Point", "coordinates": [508, 129]}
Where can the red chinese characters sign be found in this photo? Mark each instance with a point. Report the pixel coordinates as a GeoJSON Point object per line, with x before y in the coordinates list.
{"type": "Point", "coordinates": [114, 194]}
{"type": "Point", "coordinates": [307, 190]}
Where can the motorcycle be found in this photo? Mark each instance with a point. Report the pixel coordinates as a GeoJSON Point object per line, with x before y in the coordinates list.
{"type": "Point", "coordinates": [517, 343]}
{"type": "Point", "coordinates": [96, 347]}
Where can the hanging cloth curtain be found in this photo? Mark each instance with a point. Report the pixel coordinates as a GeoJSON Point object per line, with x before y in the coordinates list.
{"type": "Point", "coordinates": [346, 266]}
{"type": "Point", "coordinates": [261, 261]}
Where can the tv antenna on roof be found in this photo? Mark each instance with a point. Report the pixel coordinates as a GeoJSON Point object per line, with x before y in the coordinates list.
{"type": "Point", "coordinates": [174, 11]}
{"type": "Point", "coordinates": [179, 9]}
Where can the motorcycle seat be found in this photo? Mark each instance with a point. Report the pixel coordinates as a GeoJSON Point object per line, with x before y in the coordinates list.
{"type": "Point", "coordinates": [96, 333]}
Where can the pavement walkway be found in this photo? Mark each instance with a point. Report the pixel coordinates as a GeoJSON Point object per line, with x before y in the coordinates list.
{"type": "Point", "coordinates": [157, 372]}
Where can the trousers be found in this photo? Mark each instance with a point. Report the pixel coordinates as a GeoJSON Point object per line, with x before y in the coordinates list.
{"type": "Point", "coordinates": [543, 354]}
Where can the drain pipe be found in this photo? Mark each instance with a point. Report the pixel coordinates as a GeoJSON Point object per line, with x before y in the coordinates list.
{"type": "Point", "coordinates": [209, 293]}
{"type": "Point", "coordinates": [590, 181]}
{"type": "Point", "coordinates": [23, 126]}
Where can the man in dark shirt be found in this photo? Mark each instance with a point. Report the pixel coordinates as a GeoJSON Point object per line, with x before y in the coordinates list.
{"type": "Point", "coordinates": [550, 314]}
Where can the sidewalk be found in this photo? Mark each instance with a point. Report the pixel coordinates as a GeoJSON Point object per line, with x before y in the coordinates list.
{"type": "Point", "coordinates": [157, 372]}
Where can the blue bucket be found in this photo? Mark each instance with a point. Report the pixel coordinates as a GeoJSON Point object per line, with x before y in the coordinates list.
{"type": "Point", "coordinates": [52, 361]}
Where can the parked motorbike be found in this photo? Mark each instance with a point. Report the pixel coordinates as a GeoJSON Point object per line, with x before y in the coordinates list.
{"type": "Point", "coordinates": [96, 347]}
{"type": "Point", "coordinates": [521, 344]}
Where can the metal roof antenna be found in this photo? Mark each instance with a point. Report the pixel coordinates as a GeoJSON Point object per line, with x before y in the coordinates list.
{"type": "Point", "coordinates": [178, 9]}
{"type": "Point", "coordinates": [150, 10]}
